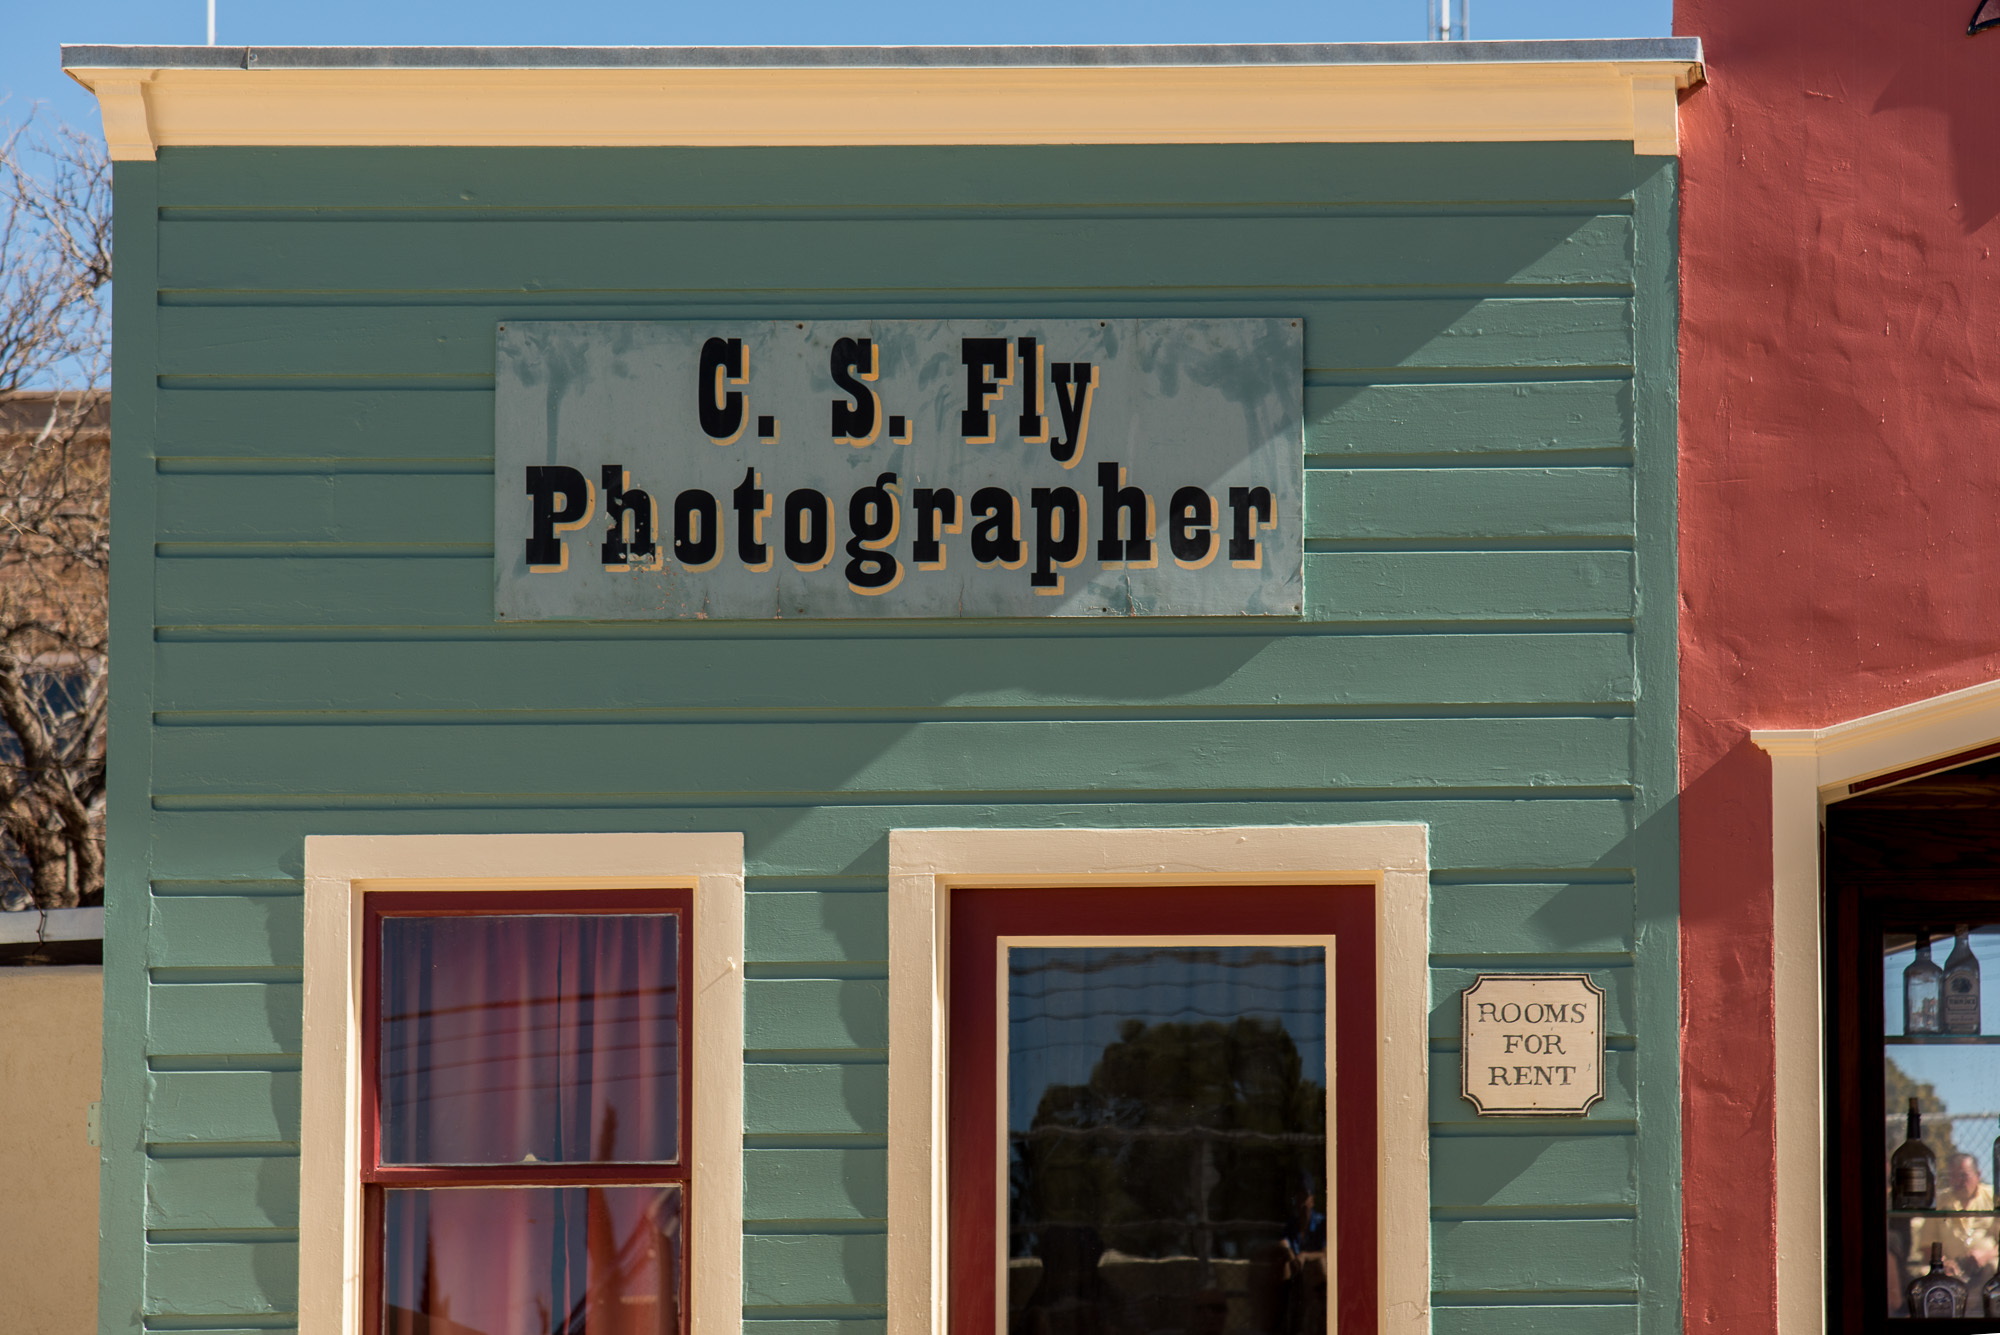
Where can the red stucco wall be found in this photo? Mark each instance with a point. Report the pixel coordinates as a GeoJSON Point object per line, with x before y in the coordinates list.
{"type": "Point", "coordinates": [1840, 485]}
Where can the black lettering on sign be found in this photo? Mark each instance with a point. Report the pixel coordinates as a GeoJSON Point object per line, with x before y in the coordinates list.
{"type": "Point", "coordinates": [936, 511]}
{"type": "Point", "coordinates": [721, 412]}
{"type": "Point", "coordinates": [854, 361]}
{"type": "Point", "coordinates": [1074, 381]}
{"type": "Point", "coordinates": [623, 502]}
{"type": "Point", "coordinates": [1250, 511]}
{"type": "Point", "coordinates": [808, 529]}
{"type": "Point", "coordinates": [1191, 528]}
{"type": "Point", "coordinates": [752, 505]}
{"type": "Point", "coordinates": [1131, 509]}
{"type": "Point", "coordinates": [996, 538]}
{"type": "Point", "coordinates": [697, 530]}
{"type": "Point", "coordinates": [1034, 426]}
{"type": "Point", "coordinates": [560, 500]}
{"type": "Point", "coordinates": [989, 364]}
{"type": "Point", "coordinates": [1059, 525]}
{"type": "Point", "coordinates": [873, 514]}
{"type": "Point", "coordinates": [1496, 1075]}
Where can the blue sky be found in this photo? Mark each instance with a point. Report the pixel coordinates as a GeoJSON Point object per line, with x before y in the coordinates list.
{"type": "Point", "coordinates": [30, 70]}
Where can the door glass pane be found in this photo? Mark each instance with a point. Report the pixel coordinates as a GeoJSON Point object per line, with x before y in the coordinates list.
{"type": "Point", "coordinates": [1166, 1119]}
{"type": "Point", "coordinates": [532, 1261]}
{"type": "Point", "coordinates": [1941, 1050]}
{"type": "Point", "coordinates": [530, 1038]}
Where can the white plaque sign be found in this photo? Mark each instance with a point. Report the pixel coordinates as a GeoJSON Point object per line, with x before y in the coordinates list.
{"type": "Point", "coordinates": [1532, 1044]}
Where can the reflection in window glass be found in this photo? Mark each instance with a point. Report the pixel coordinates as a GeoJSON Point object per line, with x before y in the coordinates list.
{"type": "Point", "coordinates": [1948, 1065]}
{"type": "Point", "coordinates": [532, 1261]}
{"type": "Point", "coordinates": [1166, 1116]}
{"type": "Point", "coordinates": [530, 1038]}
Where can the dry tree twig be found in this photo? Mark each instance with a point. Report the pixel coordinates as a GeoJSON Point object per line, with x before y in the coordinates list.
{"type": "Point", "coordinates": [55, 275]}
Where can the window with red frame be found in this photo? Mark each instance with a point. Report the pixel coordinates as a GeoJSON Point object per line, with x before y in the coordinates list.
{"type": "Point", "coordinates": [524, 1160]}
{"type": "Point", "coordinates": [1142, 1093]}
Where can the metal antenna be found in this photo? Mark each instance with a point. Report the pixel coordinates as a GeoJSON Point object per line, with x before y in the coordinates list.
{"type": "Point", "coordinates": [211, 22]}
{"type": "Point", "coordinates": [1439, 25]}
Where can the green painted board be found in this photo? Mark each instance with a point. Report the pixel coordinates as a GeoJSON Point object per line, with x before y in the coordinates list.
{"type": "Point", "coordinates": [801, 1014]}
{"type": "Point", "coordinates": [1523, 1255]}
{"type": "Point", "coordinates": [216, 931]}
{"type": "Point", "coordinates": [802, 1184]}
{"type": "Point", "coordinates": [922, 758]}
{"type": "Point", "coordinates": [222, 1279]}
{"type": "Point", "coordinates": [222, 1107]}
{"type": "Point", "coordinates": [1346, 505]}
{"type": "Point", "coordinates": [1541, 920]}
{"type": "Point", "coordinates": [759, 254]}
{"type": "Point", "coordinates": [1533, 1172]}
{"type": "Point", "coordinates": [814, 1270]}
{"type": "Point", "coordinates": [808, 925]}
{"type": "Point", "coordinates": [747, 677]}
{"type": "Point", "coordinates": [1537, 1319]}
{"type": "Point", "coordinates": [223, 1193]}
{"type": "Point", "coordinates": [816, 1098]}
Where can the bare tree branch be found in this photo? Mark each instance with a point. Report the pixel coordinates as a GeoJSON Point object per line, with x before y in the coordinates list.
{"type": "Point", "coordinates": [55, 274]}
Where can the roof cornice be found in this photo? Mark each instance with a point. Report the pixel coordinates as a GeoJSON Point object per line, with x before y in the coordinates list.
{"type": "Point", "coordinates": [154, 97]}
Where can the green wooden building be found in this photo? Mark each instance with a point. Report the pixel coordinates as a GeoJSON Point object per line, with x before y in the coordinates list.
{"type": "Point", "coordinates": [466, 968]}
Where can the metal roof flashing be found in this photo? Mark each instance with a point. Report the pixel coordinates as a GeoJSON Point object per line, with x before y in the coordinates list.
{"type": "Point", "coordinates": [1407, 92]}
{"type": "Point", "coordinates": [1681, 49]}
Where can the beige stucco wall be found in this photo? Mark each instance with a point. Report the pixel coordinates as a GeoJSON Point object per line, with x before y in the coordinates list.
{"type": "Point", "coordinates": [51, 1045]}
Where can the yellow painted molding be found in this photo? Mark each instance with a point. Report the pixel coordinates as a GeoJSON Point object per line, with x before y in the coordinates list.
{"type": "Point", "coordinates": [340, 870]}
{"type": "Point", "coordinates": [1464, 102]}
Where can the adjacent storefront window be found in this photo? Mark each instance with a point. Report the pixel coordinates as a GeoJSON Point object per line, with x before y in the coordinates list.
{"type": "Point", "coordinates": [525, 1167]}
{"type": "Point", "coordinates": [1914, 928]}
{"type": "Point", "coordinates": [1142, 1137]}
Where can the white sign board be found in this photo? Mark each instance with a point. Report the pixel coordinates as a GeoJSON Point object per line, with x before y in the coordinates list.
{"type": "Point", "coordinates": [1532, 1044]}
{"type": "Point", "coordinates": [899, 468]}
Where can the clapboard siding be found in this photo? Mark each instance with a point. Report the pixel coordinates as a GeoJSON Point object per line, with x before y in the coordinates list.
{"type": "Point", "coordinates": [418, 584]}
{"type": "Point", "coordinates": [1487, 647]}
{"type": "Point", "coordinates": [237, 342]}
{"type": "Point", "coordinates": [1347, 505]}
{"type": "Point", "coordinates": [706, 256]}
{"type": "Point", "coordinates": [380, 429]}
{"type": "Point", "coordinates": [261, 681]}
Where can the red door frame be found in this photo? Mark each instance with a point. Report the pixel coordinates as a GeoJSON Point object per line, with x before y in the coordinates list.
{"type": "Point", "coordinates": [980, 916]}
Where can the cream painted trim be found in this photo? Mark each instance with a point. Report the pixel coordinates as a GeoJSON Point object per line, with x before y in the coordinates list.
{"type": "Point", "coordinates": [1464, 102]}
{"type": "Point", "coordinates": [1810, 770]}
{"type": "Point", "coordinates": [924, 867]}
{"type": "Point", "coordinates": [340, 871]}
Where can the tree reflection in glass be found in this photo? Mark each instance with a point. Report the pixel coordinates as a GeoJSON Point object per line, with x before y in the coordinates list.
{"type": "Point", "coordinates": [1166, 1111]}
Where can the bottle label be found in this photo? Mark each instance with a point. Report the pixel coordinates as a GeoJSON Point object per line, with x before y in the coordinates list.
{"type": "Point", "coordinates": [1940, 1300]}
{"type": "Point", "coordinates": [1914, 1180]}
{"type": "Point", "coordinates": [1961, 1005]}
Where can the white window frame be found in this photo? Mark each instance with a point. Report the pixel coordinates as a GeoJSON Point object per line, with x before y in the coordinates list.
{"type": "Point", "coordinates": [1811, 769]}
{"type": "Point", "coordinates": [926, 865]}
{"type": "Point", "coordinates": [342, 870]}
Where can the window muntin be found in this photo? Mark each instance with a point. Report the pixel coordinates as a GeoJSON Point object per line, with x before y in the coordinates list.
{"type": "Point", "coordinates": [523, 1072]}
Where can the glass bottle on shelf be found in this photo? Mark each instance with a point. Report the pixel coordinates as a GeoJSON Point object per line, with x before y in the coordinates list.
{"type": "Point", "coordinates": [1989, 1297]}
{"type": "Point", "coordinates": [1939, 1293]}
{"type": "Point", "coordinates": [1913, 1169]}
{"type": "Point", "coordinates": [1961, 986]}
{"type": "Point", "coordinates": [1923, 985]}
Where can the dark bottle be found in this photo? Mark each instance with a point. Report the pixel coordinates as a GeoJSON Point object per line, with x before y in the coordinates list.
{"type": "Point", "coordinates": [1923, 986]}
{"type": "Point", "coordinates": [1961, 987]}
{"type": "Point", "coordinates": [1913, 1169]}
{"type": "Point", "coordinates": [1989, 1297]}
{"type": "Point", "coordinates": [1937, 1294]}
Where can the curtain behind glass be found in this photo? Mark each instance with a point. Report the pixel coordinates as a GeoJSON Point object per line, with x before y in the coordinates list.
{"type": "Point", "coordinates": [532, 1038]}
